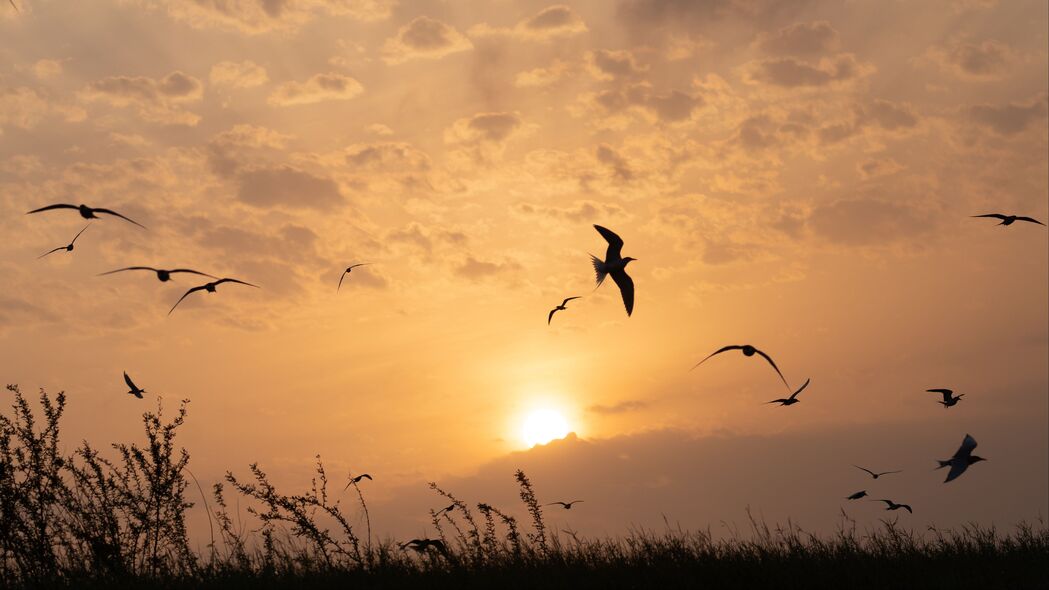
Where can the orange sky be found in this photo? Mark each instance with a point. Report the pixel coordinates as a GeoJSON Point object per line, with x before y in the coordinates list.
{"type": "Point", "coordinates": [795, 175]}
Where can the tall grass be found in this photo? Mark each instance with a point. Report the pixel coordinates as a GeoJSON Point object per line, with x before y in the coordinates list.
{"type": "Point", "coordinates": [118, 519]}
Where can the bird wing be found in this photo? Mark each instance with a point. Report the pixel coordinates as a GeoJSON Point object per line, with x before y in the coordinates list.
{"type": "Point", "coordinates": [78, 234]}
{"type": "Point", "coordinates": [626, 286]}
{"type": "Point", "coordinates": [238, 281]}
{"type": "Point", "coordinates": [550, 317]}
{"type": "Point", "coordinates": [575, 502]}
{"type": "Point", "coordinates": [352, 266]}
{"type": "Point", "coordinates": [795, 394]}
{"type": "Point", "coordinates": [717, 352]}
{"type": "Point", "coordinates": [51, 252]}
{"type": "Point", "coordinates": [129, 382]}
{"type": "Point", "coordinates": [957, 468]}
{"type": "Point", "coordinates": [907, 506]}
{"type": "Point", "coordinates": [968, 444]}
{"type": "Point", "coordinates": [615, 243]}
{"type": "Point", "coordinates": [55, 206]}
{"type": "Point", "coordinates": [943, 391]}
{"type": "Point", "coordinates": [1031, 219]}
{"type": "Point", "coordinates": [13, 6]}
{"type": "Point", "coordinates": [184, 295]}
{"type": "Point", "coordinates": [129, 268]}
{"type": "Point", "coordinates": [188, 270]}
{"type": "Point", "coordinates": [891, 472]}
{"type": "Point", "coordinates": [124, 217]}
{"type": "Point", "coordinates": [565, 302]}
{"type": "Point", "coordinates": [340, 280]}
{"type": "Point", "coordinates": [863, 469]}
{"type": "Point", "coordinates": [364, 475]}
{"type": "Point", "coordinates": [771, 362]}
{"type": "Point", "coordinates": [995, 215]}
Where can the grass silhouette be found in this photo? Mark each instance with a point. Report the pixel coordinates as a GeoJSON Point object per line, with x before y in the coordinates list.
{"type": "Point", "coordinates": [85, 520]}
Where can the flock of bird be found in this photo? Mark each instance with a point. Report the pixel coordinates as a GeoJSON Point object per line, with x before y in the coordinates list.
{"type": "Point", "coordinates": [614, 265]}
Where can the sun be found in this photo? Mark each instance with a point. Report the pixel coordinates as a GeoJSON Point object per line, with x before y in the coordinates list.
{"type": "Point", "coordinates": [542, 426]}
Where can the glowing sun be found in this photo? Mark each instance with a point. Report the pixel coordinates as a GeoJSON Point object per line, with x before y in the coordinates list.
{"type": "Point", "coordinates": [543, 426]}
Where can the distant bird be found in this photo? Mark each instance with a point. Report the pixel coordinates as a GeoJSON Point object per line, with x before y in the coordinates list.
{"type": "Point", "coordinates": [68, 247]}
{"type": "Point", "coordinates": [748, 350]}
{"type": "Point", "coordinates": [86, 212]}
{"type": "Point", "coordinates": [347, 271]}
{"type": "Point", "coordinates": [448, 508]}
{"type": "Point", "coordinates": [793, 399]}
{"type": "Point", "coordinates": [890, 505]}
{"type": "Point", "coordinates": [567, 505]}
{"type": "Point", "coordinates": [13, 6]}
{"type": "Point", "coordinates": [135, 391]}
{"type": "Point", "coordinates": [1009, 219]}
{"type": "Point", "coordinates": [557, 309]}
{"type": "Point", "coordinates": [615, 265]}
{"type": "Point", "coordinates": [948, 401]}
{"type": "Point", "coordinates": [879, 474]}
{"type": "Point", "coordinates": [962, 459]}
{"type": "Point", "coordinates": [421, 545]}
{"type": "Point", "coordinates": [162, 275]}
{"type": "Point", "coordinates": [210, 288]}
{"type": "Point", "coordinates": [357, 479]}
{"type": "Point", "coordinates": [857, 495]}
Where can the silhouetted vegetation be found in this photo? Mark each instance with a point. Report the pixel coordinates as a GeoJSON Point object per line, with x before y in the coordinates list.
{"type": "Point", "coordinates": [118, 519]}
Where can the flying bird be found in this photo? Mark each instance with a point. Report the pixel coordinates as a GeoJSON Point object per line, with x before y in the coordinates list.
{"type": "Point", "coordinates": [962, 459]}
{"type": "Point", "coordinates": [1009, 219]}
{"type": "Point", "coordinates": [68, 247]}
{"type": "Point", "coordinates": [748, 350]}
{"type": "Point", "coordinates": [347, 271]}
{"type": "Point", "coordinates": [86, 212]}
{"type": "Point", "coordinates": [162, 275]}
{"type": "Point", "coordinates": [210, 288]}
{"type": "Point", "coordinates": [948, 400]}
{"type": "Point", "coordinates": [557, 309]}
{"type": "Point", "coordinates": [879, 474]}
{"type": "Point", "coordinates": [793, 399]}
{"type": "Point", "coordinates": [421, 545]}
{"type": "Point", "coordinates": [135, 391]}
{"type": "Point", "coordinates": [890, 505]}
{"type": "Point", "coordinates": [567, 505]}
{"type": "Point", "coordinates": [857, 495]}
{"type": "Point", "coordinates": [357, 479]}
{"type": "Point", "coordinates": [614, 265]}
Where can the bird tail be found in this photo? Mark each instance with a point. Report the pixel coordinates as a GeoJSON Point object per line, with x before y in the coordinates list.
{"type": "Point", "coordinates": [943, 464]}
{"type": "Point", "coordinates": [599, 269]}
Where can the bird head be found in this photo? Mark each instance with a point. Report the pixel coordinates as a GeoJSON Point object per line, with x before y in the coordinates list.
{"type": "Point", "coordinates": [975, 459]}
{"type": "Point", "coordinates": [627, 261]}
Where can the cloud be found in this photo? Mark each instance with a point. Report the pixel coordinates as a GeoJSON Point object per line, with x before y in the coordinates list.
{"type": "Point", "coordinates": [475, 269]}
{"type": "Point", "coordinates": [319, 88]}
{"type": "Point", "coordinates": [558, 20]}
{"type": "Point", "coordinates": [649, 17]}
{"type": "Point", "coordinates": [674, 106]}
{"type": "Point", "coordinates": [788, 72]}
{"type": "Point", "coordinates": [378, 129]}
{"type": "Point", "coordinates": [576, 212]}
{"type": "Point", "coordinates": [987, 60]}
{"type": "Point", "coordinates": [1009, 119]}
{"type": "Point", "coordinates": [261, 16]}
{"type": "Point", "coordinates": [609, 157]}
{"type": "Point", "coordinates": [226, 151]}
{"type": "Point", "coordinates": [22, 107]}
{"type": "Point", "coordinates": [155, 100]}
{"type": "Point", "coordinates": [612, 65]}
{"type": "Point", "coordinates": [801, 39]}
{"type": "Point", "coordinates": [874, 167]}
{"type": "Point", "coordinates": [46, 69]}
{"type": "Point", "coordinates": [424, 38]}
{"type": "Point", "coordinates": [483, 137]}
{"type": "Point", "coordinates": [543, 76]}
{"type": "Point", "coordinates": [868, 221]}
{"type": "Point", "coordinates": [287, 186]}
{"type": "Point", "coordinates": [622, 407]}
{"type": "Point", "coordinates": [245, 74]}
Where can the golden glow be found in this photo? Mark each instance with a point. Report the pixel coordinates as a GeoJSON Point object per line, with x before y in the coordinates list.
{"type": "Point", "coordinates": [543, 426]}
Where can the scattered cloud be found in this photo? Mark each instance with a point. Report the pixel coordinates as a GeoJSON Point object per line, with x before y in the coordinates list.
{"type": "Point", "coordinates": [245, 74]}
{"type": "Point", "coordinates": [424, 38]}
{"type": "Point", "coordinates": [968, 60]}
{"type": "Point", "coordinates": [288, 187]}
{"type": "Point", "coordinates": [262, 16]}
{"type": "Point", "coordinates": [553, 21]}
{"type": "Point", "coordinates": [318, 88]}
{"type": "Point", "coordinates": [801, 39]}
{"type": "Point", "coordinates": [1009, 119]}
{"type": "Point", "coordinates": [789, 72]}
{"type": "Point", "coordinates": [155, 100]}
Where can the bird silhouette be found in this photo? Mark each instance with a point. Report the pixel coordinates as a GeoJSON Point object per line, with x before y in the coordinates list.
{"type": "Point", "coordinates": [357, 479]}
{"type": "Point", "coordinates": [135, 390]}
{"type": "Point", "coordinates": [614, 265]}
{"type": "Point", "coordinates": [890, 505]}
{"type": "Point", "coordinates": [793, 399]}
{"type": "Point", "coordinates": [210, 288]}
{"type": "Point", "coordinates": [879, 474]}
{"type": "Point", "coordinates": [162, 275]}
{"type": "Point", "coordinates": [347, 271]}
{"type": "Point", "coordinates": [748, 350]}
{"type": "Point", "coordinates": [1010, 219]}
{"type": "Point", "coordinates": [962, 459]}
{"type": "Point", "coordinates": [68, 247]}
{"type": "Point", "coordinates": [948, 401]}
{"type": "Point", "coordinates": [558, 308]}
{"type": "Point", "coordinates": [14, 6]}
{"type": "Point", "coordinates": [421, 545]}
{"type": "Point", "coordinates": [448, 508]}
{"type": "Point", "coordinates": [86, 212]}
{"type": "Point", "coordinates": [566, 505]}
{"type": "Point", "coordinates": [857, 495]}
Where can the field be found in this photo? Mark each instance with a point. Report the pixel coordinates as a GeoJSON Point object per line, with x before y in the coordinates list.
{"type": "Point", "coordinates": [115, 519]}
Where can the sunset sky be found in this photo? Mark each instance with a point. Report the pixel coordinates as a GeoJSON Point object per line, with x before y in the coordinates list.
{"type": "Point", "coordinates": [799, 176]}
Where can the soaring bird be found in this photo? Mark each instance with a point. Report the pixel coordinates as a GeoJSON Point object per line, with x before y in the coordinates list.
{"type": "Point", "coordinates": [1009, 219]}
{"type": "Point", "coordinates": [135, 391]}
{"type": "Point", "coordinates": [347, 271]}
{"type": "Point", "coordinates": [890, 505]}
{"type": "Point", "coordinates": [557, 309]}
{"type": "Point", "coordinates": [748, 350]}
{"type": "Point", "coordinates": [567, 505]}
{"type": "Point", "coordinates": [793, 399]}
{"type": "Point", "coordinates": [857, 495]}
{"type": "Point", "coordinates": [357, 479]}
{"type": "Point", "coordinates": [86, 212]}
{"type": "Point", "coordinates": [962, 459]}
{"type": "Point", "coordinates": [948, 400]}
{"type": "Point", "coordinates": [615, 265]}
{"type": "Point", "coordinates": [210, 288]}
{"type": "Point", "coordinates": [421, 545]}
{"type": "Point", "coordinates": [879, 474]}
{"type": "Point", "coordinates": [162, 275]}
{"type": "Point", "coordinates": [68, 247]}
